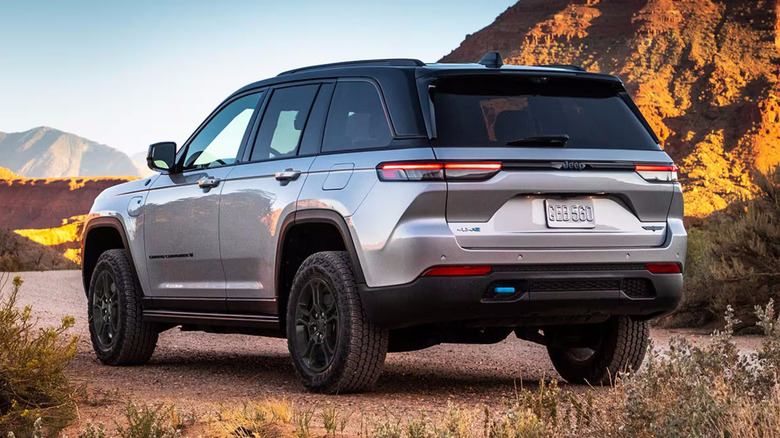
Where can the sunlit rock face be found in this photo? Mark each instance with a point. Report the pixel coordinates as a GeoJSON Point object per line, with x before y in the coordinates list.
{"type": "Point", "coordinates": [704, 73]}
{"type": "Point", "coordinates": [50, 211]}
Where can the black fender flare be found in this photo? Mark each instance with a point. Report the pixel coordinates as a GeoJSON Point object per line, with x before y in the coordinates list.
{"type": "Point", "coordinates": [318, 215]}
{"type": "Point", "coordinates": [91, 224]}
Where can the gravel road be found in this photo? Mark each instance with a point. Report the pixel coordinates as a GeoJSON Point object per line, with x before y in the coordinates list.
{"type": "Point", "coordinates": [200, 371]}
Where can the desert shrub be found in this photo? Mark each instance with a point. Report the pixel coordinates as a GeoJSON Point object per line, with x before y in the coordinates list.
{"type": "Point", "coordinates": [713, 390]}
{"type": "Point", "coordinates": [698, 274]}
{"type": "Point", "coordinates": [94, 431]}
{"type": "Point", "coordinates": [418, 427]}
{"type": "Point", "coordinates": [387, 426]}
{"type": "Point", "coordinates": [734, 258]}
{"type": "Point", "coordinates": [146, 421]}
{"type": "Point", "coordinates": [33, 383]}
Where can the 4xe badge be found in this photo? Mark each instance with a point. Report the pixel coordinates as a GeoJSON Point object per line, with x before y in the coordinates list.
{"type": "Point", "coordinates": [572, 165]}
{"type": "Point", "coordinates": [469, 229]}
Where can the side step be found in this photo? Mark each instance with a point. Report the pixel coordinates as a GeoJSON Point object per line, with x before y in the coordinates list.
{"type": "Point", "coordinates": [212, 319]}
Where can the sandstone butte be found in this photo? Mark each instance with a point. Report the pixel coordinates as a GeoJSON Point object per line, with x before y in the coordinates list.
{"type": "Point", "coordinates": [704, 73]}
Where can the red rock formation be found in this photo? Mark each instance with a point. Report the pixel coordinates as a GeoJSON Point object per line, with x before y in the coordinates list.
{"type": "Point", "coordinates": [50, 211]}
{"type": "Point", "coordinates": [704, 73]}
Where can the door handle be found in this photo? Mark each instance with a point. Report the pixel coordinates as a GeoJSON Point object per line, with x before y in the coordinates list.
{"type": "Point", "coordinates": [208, 182]}
{"type": "Point", "coordinates": [287, 175]}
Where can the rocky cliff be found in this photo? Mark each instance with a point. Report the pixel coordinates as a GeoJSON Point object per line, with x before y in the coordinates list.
{"type": "Point", "coordinates": [704, 73]}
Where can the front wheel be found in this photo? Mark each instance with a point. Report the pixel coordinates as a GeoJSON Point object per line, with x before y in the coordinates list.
{"type": "Point", "coordinates": [119, 334]}
{"type": "Point", "coordinates": [615, 346]}
{"type": "Point", "coordinates": [335, 348]}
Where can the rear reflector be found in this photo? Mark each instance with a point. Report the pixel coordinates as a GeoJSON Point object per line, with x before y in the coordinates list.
{"type": "Point", "coordinates": [663, 268]}
{"type": "Point", "coordinates": [660, 173]}
{"type": "Point", "coordinates": [441, 271]}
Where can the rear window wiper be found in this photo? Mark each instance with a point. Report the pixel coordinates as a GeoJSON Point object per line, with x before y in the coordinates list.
{"type": "Point", "coordinates": [541, 140]}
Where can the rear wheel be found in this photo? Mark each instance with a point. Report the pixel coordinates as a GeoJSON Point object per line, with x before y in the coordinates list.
{"type": "Point", "coordinates": [116, 326]}
{"type": "Point", "coordinates": [617, 345]}
{"type": "Point", "coordinates": [334, 347]}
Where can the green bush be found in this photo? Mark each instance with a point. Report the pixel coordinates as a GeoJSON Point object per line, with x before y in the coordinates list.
{"type": "Point", "coordinates": [33, 383]}
{"type": "Point", "coordinates": [734, 257]}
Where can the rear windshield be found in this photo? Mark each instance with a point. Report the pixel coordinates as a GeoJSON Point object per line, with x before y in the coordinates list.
{"type": "Point", "coordinates": [490, 111]}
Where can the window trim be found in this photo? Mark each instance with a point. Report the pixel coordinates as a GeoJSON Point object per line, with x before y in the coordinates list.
{"type": "Point", "coordinates": [256, 129]}
{"type": "Point", "coordinates": [247, 153]}
{"type": "Point", "coordinates": [181, 154]}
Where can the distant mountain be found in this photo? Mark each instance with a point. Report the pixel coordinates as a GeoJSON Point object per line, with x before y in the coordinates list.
{"type": "Point", "coordinates": [703, 72]}
{"type": "Point", "coordinates": [45, 152]}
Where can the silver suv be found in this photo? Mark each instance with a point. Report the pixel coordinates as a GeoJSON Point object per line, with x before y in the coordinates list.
{"type": "Point", "coordinates": [391, 205]}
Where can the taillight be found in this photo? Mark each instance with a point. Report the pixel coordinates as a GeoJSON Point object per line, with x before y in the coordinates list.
{"type": "Point", "coordinates": [470, 171]}
{"type": "Point", "coordinates": [663, 268]}
{"type": "Point", "coordinates": [437, 171]}
{"type": "Point", "coordinates": [652, 172]}
{"type": "Point", "coordinates": [448, 271]}
{"type": "Point", "coordinates": [411, 172]}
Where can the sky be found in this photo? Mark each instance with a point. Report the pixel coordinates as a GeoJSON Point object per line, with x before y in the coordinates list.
{"type": "Point", "coordinates": [128, 74]}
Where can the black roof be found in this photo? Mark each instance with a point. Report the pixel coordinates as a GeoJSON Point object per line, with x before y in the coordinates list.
{"type": "Point", "coordinates": [399, 79]}
{"type": "Point", "coordinates": [368, 68]}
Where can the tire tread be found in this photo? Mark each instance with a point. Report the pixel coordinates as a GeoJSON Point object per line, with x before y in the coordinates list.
{"type": "Point", "coordinates": [626, 343]}
{"type": "Point", "coordinates": [366, 344]}
{"type": "Point", "coordinates": [137, 339]}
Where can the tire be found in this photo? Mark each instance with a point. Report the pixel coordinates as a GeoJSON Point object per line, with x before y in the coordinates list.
{"type": "Point", "coordinates": [619, 346]}
{"type": "Point", "coordinates": [116, 326]}
{"type": "Point", "coordinates": [332, 355]}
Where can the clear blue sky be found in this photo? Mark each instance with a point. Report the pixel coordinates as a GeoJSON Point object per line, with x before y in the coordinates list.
{"type": "Point", "coordinates": [133, 73]}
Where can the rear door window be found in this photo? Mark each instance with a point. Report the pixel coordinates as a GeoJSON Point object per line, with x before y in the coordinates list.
{"type": "Point", "coordinates": [356, 119]}
{"type": "Point", "coordinates": [283, 122]}
{"type": "Point", "coordinates": [495, 112]}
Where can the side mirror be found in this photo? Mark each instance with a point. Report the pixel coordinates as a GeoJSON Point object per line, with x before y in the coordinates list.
{"type": "Point", "coordinates": [161, 156]}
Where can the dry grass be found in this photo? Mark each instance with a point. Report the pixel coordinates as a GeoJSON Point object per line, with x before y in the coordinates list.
{"type": "Point", "coordinates": [691, 391]}
{"type": "Point", "coordinates": [268, 418]}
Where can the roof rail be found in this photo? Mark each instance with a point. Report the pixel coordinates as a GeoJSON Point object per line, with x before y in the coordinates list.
{"type": "Point", "coordinates": [564, 66]}
{"type": "Point", "coordinates": [368, 62]}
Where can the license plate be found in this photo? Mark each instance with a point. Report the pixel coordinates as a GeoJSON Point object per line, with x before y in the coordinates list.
{"type": "Point", "coordinates": [576, 213]}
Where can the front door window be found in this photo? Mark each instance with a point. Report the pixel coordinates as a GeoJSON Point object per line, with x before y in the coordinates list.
{"type": "Point", "coordinates": [218, 142]}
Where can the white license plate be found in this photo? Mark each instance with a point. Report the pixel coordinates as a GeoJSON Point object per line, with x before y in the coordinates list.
{"type": "Point", "coordinates": [575, 213]}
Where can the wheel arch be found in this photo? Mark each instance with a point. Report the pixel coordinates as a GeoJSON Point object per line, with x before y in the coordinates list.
{"type": "Point", "coordinates": [332, 234]}
{"type": "Point", "coordinates": [100, 234]}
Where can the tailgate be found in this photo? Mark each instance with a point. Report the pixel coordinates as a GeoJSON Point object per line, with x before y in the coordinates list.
{"type": "Point", "coordinates": [571, 201]}
{"type": "Point", "coordinates": [569, 159]}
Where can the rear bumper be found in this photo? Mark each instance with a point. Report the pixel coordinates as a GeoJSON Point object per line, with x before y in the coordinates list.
{"type": "Point", "coordinates": [544, 295]}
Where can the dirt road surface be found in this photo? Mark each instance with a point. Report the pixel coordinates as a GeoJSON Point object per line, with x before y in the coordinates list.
{"type": "Point", "coordinates": [198, 372]}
